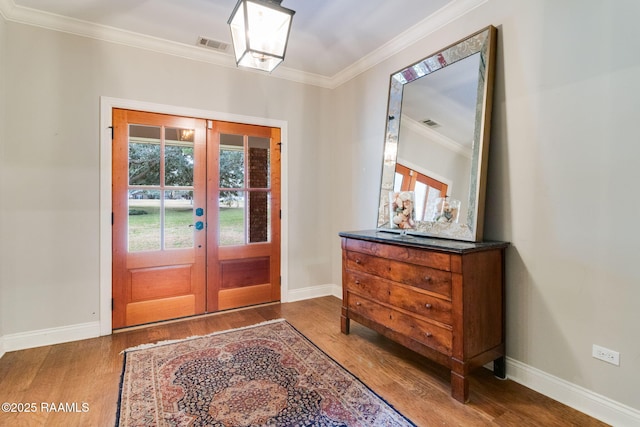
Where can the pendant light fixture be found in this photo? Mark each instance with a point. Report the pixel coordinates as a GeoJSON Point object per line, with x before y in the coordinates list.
{"type": "Point", "coordinates": [260, 31]}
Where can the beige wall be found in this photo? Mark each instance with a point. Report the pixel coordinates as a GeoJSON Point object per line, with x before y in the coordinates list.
{"type": "Point", "coordinates": [561, 183]}
{"type": "Point", "coordinates": [50, 164]}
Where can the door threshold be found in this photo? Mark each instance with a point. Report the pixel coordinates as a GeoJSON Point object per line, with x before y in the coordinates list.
{"type": "Point", "coordinates": [183, 319]}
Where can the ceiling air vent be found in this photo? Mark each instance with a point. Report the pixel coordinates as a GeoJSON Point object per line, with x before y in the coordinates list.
{"type": "Point", "coordinates": [430, 123]}
{"type": "Point", "coordinates": [213, 44]}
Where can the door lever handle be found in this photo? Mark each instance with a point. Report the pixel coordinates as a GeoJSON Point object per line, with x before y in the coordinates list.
{"type": "Point", "coordinates": [199, 225]}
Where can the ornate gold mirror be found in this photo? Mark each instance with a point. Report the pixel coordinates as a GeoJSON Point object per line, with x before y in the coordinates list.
{"type": "Point", "coordinates": [437, 138]}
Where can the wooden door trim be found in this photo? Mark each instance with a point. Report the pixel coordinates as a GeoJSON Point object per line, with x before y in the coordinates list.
{"type": "Point", "coordinates": [213, 269]}
{"type": "Point", "coordinates": [235, 252]}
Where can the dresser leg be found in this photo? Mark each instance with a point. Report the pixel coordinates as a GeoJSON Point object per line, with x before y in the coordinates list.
{"type": "Point", "coordinates": [500, 368]}
{"type": "Point", "coordinates": [459, 387]}
{"type": "Point", "coordinates": [345, 323]}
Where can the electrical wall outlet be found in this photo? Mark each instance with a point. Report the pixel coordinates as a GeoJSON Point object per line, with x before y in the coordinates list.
{"type": "Point", "coordinates": [605, 354]}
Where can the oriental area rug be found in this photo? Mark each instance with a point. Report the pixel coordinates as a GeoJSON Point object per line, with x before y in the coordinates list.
{"type": "Point", "coordinates": [263, 375]}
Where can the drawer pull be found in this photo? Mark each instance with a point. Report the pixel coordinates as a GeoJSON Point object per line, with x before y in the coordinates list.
{"type": "Point", "coordinates": [428, 334]}
{"type": "Point", "coordinates": [357, 282]}
{"type": "Point", "coordinates": [358, 303]}
{"type": "Point", "coordinates": [428, 279]}
{"type": "Point", "coordinates": [358, 262]}
{"type": "Point", "coordinates": [428, 306]}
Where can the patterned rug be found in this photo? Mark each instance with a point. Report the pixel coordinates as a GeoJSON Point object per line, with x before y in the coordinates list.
{"type": "Point", "coordinates": [263, 375]}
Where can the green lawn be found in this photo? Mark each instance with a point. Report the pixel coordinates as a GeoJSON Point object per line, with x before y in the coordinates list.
{"type": "Point", "coordinates": [231, 226]}
{"type": "Point", "coordinates": [144, 225]}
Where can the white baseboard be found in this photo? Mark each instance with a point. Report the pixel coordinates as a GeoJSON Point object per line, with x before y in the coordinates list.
{"type": "Point", "coordinates": [39, 338]}
{"type": "Point", "coordinates": [587, 401]}
{"type": "Point", "coordinates": [314, 292]}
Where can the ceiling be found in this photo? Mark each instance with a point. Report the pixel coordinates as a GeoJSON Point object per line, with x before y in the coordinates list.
{"type": "Point", "coordinates": [330, 42]}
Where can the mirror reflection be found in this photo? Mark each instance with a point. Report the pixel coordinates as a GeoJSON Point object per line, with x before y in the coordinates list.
{"type": "Point", "coordinates": [437, 138]}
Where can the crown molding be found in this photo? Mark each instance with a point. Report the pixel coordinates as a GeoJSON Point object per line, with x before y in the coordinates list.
{"type": "Point", "coordinates": [432, 23]}
{"type": "Point", "coordinates": [50, 21]}
{"type": "Point", "coordinates": [24, 15]}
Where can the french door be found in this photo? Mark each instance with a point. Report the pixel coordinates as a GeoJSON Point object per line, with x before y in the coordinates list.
{"type": "Point", "coordinates": [194, 228]}
{"type": "Point", "coordinates": [244, 257]}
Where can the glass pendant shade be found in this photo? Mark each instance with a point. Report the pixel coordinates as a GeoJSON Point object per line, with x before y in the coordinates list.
{"type": "Point", "coordinates": [260, 31]}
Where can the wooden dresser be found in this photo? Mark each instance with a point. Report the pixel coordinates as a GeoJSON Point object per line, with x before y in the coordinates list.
{"type": "Point", "coordinates": [443, 299]}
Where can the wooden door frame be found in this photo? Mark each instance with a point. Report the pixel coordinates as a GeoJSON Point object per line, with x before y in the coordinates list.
{"type": "Point", "coordinates": [107, 104]}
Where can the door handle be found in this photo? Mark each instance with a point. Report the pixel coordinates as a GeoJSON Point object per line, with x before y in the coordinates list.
{"type": "Point", "coordinates": [199, 225]}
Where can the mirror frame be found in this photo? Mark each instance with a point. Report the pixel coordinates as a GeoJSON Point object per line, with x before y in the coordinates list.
{"type": "Point", "coordinates": [484, 43]}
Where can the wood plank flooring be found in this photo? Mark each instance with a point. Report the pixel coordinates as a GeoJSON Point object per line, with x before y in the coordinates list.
{"type": "Point", "coordinates": [89, 371]}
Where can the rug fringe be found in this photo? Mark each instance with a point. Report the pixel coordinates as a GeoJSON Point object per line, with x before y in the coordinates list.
{"type": "Point", "coordinates": [194, 337]}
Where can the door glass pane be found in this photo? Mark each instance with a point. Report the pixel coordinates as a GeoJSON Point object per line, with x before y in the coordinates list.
{"type": "Point", "coordinates": [144, 155]}
{"type": "Point", "coordinates": [432, 207]}
{"type": "Point", "coordinates": [178, 219]}
{"type": "Point", "coordinates": [231, 161]}
{"type": "Point", "coordinates": [397, 182]}
{"type": "Point", "coordinates": [144, 220]}
{"type": "Point", "coordinates": [259, 162]}
{"type": "Point", "coordinates": [231, 218]}
{"type": "Point", "coordinates": [178, 157]}
{"type": "Point", "coordinates": [259, 217]}
{"type": "Point", "coordinates": [420, 199]}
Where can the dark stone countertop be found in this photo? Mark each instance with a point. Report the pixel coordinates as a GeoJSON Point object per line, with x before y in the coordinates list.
{"type": "Point", "coordinates": [445, 245]}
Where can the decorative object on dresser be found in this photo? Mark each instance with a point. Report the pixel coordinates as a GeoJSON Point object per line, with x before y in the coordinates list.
{"type": "Point", "coordinates": [442, 298]}
{"type": "Point", "coordinates": [402, 212]}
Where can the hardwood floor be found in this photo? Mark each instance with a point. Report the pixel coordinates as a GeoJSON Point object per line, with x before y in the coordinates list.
{"type": "Point", "coordinates": [89, 371]}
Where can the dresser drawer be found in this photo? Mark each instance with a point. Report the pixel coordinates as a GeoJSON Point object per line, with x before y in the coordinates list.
{"type": "Point", "coordinates": [436, 281]}
{"type": "Point", "coordinates": [358, 262]}
{"type": "Point", "coordinates": [436, 337]}
{"type": "Point", "coordinates": [368, 286]}
{"type": "Point", "coordinates": [429, 334]}
{"type": "Point", "coordinates": [398, 295]}
{"type": "Point", "coordinates": [420, 303]}
{"type": "Point", "coordinates": [432, 259]}
{"type": "Point", "coordinates": [429, 279]}
{"type": "Point", "coordinates": [367, 308]}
